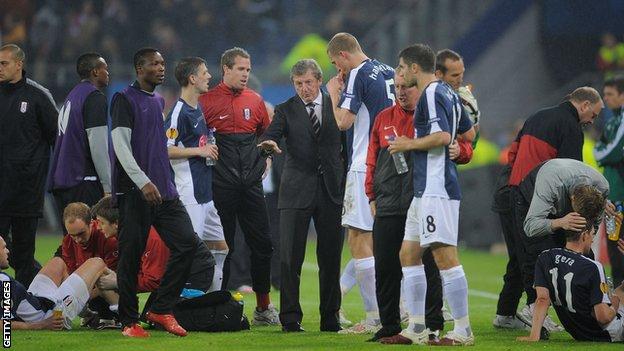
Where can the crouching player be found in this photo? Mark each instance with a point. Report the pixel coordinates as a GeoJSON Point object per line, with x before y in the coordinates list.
{"type": "Point", "coordinates": [50, 290]}
{"type": "Point", "coordinates": [576, 286]}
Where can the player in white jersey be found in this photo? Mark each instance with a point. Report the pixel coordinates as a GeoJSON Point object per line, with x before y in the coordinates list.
{"type": "Point", "coordinates": [188, 148]}
{"type": "Point", "coordinates": [362, 88]}
{"type": "Point", "coordinates": [433, 216]}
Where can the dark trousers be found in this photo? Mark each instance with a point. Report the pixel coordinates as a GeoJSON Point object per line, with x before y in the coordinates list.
{"type": "Point", "coordinates": [513, 287]}
{"type": "Point", "coordinates": [240, 264]}
{"type": "Point", "coordinates": [434, 319]}
{"type": "Point", "coordinates": [19, 234]}
{"type": "Point", "coordinates": [174, 227]}
{"type": "Point", "coordinates": [617, 260]}
{"type": "Point", "coordinates": [388, 233]}
{"type": "Point", "coordinates": [89, 192]}
{"type": "Point", "coordinates": [294, 231]}
{"type": "Point", "coordinates": [529, 248]}
{"type": "Point", "coordinates": [202, 269]}
{"type": "Point", "coordinates": [248, 206]}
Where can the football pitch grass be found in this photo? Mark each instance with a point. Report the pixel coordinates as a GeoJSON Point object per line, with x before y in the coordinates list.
{"type": "Point", "coordinates": [484, 273]}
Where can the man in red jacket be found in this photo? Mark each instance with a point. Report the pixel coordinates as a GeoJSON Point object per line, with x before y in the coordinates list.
{"type": "Point", "coordinates": [554, 132]}
{"type": "Point", "coordinates": [154, 258]}
{"type": "Point", "coordinates": [239, 116]}
{"type": "Point", "coordinates": [390, 194]}
{"type": "Point", "coordinates": [85, 240]}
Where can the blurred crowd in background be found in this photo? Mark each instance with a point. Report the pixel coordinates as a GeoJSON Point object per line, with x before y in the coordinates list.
{"type": "Point", "coordinates": [509, 84]}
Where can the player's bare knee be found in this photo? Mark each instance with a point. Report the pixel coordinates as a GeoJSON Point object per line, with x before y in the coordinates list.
{"type": "Point", "coordinates": [408, 255]}
{"type": "Point", "coordinates": [56, 262]}
{"type": "Point", "coordinates": [445, 257]}
{"type": "Point", "coordinates": [96, 262]}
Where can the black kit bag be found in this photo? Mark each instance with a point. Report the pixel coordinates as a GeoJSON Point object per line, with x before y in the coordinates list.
{"type": "Point", "coordinates": [216, 311]}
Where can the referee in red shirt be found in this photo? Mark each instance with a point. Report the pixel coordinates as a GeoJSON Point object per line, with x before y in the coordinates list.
{"type": "Point", "coordinates": [239, 116]}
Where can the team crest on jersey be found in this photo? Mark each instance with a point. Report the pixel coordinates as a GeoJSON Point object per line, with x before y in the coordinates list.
{"type": "Point", "coordinates": [23, 107]}
{"type": "Point", "coordinates": [171, 133]}
{"type": "Point", "coordinates": [247, 113]}
{"type": "Point", "coordinates": [68, 300]}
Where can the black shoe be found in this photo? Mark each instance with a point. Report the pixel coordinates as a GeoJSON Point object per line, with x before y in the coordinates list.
{"type": "Point", "coordinates": [293, 327]}
{"type": "Point", "coordinates": [331, 328]}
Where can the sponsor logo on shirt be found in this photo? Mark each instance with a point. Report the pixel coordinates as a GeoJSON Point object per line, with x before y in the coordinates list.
{"type": "Point", "coordinates": [223, 117]}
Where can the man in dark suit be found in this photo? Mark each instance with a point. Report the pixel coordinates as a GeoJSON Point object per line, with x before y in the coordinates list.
{"type": "Point", "coordinates": [311, 188]}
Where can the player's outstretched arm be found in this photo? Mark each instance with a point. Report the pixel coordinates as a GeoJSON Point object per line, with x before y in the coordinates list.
{"type": "Point", "coordinates": [604, 313]}
{"type": "Point", "coordinates": [175, 152]}
{"type": "Point", "coordinates": [50, 323]}
{"type": "Point", "coordinates": [403, 143]}
{"type": "Point", "coordinates": [539, 314]}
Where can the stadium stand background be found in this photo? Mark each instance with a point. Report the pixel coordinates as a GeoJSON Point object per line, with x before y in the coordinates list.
{"type": "Point", "coordinates": [520, 55]}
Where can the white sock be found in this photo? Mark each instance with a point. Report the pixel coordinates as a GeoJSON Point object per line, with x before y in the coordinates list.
{"type": "Point", "coordinates": [415, 291]}
{"type": "Point", "coordinates": [217, 278]}
{"type": "Point", "coordinates": [365, 275]}
{"type": "Point", "coordinates": [455, 289]}
{"type": "Point", "coordinates": [347, 279]}
{"type": "Point", "coordinates": [402, 300]}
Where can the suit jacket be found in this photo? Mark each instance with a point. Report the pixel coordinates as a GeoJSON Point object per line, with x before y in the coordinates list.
{"type": "Point", "coordinates": [304, 153]}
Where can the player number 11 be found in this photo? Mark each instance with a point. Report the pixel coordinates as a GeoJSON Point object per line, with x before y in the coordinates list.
{"type": "Point", "coordinates": [568, 287]}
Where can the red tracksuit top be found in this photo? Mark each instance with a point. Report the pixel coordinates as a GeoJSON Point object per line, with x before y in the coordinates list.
{"type": "Point", "coordinates": [232, 112]}
{"type": "Point", "coordinates": [238, 117]}
{"type": "Point", "coordinates": [74, 255]}
{"type": "Point", "coordinates": [153, 262]}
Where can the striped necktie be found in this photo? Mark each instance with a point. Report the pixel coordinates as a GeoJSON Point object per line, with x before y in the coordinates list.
{"type": "Point", "coordinates": [315, 122]}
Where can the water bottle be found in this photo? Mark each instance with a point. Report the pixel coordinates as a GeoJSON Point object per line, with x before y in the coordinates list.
{"type": "Point", "coordinates": [614, 223]}
{"type": "Point", "coordinates": [211, 140]}
{"type": "Point", "coordinates": [610, 226]}
{"type": "Point", "coordinates": [399, 158]}
{"type": "Point", "coordinates": [58, 309]}
{"type": "Point", "coordinates": [610, 286]}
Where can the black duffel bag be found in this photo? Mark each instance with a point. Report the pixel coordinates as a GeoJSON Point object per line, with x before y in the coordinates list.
{"type": "Point", "coordinates": [213, 312]}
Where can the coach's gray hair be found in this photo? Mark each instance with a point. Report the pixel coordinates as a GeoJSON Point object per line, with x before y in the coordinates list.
{"type": "Point", "coordinates": [303, 66]}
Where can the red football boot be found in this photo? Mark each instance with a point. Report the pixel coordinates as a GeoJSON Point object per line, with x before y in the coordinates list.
{"type": "Point", "coordinates": [167, 321]}
{"type": "Point", "coordinates": [134, 331]}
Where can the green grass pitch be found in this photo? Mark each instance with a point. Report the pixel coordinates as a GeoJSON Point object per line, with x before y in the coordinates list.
{"type": "Point", "coordinates": [484, 273]}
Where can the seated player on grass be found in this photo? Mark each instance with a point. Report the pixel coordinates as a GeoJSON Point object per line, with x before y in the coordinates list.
{"type": "Point", "coordinates": [52, 288]}
{"type": "Point", "coordinates": [155, 256]}
{"type": "Point", "coordinates": [83, 241]}
{"type": "Point", "coordinates": [577, 288]}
